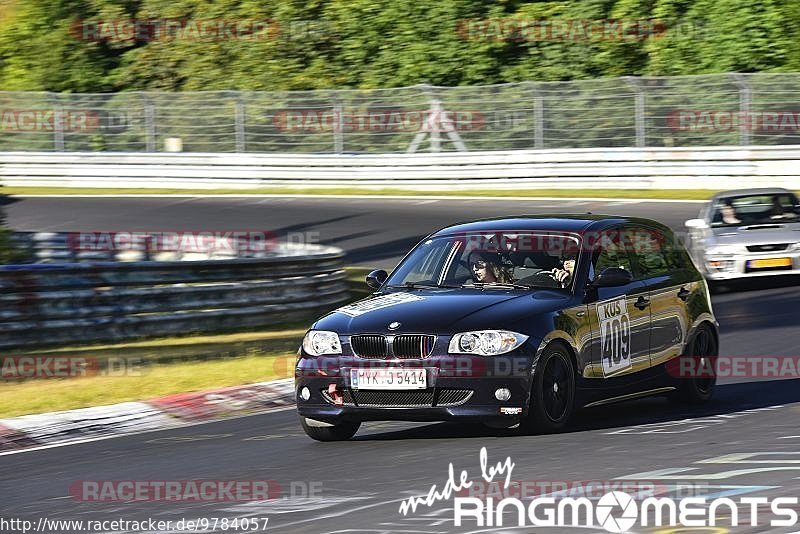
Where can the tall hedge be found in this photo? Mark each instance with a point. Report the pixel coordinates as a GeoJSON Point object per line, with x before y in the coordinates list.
{"type": "Point", "coordinates": [319, 44]}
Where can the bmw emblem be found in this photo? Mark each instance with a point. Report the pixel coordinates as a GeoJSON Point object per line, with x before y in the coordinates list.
{"type": "Point", "coordinates": [394, 325]}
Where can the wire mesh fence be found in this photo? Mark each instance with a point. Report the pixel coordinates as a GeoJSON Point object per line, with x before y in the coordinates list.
{"type": "Point", "coordinates": [720, 109]}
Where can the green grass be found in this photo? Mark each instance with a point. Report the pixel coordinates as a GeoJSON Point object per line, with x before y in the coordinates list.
{"type": "Point", "coordinates": [47, 395]}
{"type": "Point", "coordinates": [182, 349]}
{"type": "Point", "coordinates": [678, 194]}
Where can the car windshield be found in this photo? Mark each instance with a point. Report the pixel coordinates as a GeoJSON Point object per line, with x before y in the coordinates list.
{"type": "Point", "coordinates": [755, 209]}
{"type": "Point", "coordinates": [490, 260]}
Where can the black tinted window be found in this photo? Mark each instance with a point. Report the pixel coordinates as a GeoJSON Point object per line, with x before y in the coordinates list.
{"type": "Point", "coordinates": [656, 253]}
{"type": "Point", "coordinates": [610, 252]}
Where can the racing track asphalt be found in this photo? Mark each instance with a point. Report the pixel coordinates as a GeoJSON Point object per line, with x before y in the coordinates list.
{"type": "Point", "coordinates": [359, 484]}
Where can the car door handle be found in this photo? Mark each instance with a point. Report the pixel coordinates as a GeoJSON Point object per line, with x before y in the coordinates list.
{"type": "Point", "coordinates": [683, 294]}
{"type": "Point", "coordinates": [642, 303]}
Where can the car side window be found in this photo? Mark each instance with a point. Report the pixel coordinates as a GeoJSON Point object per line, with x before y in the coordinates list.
{"type": "Point", "coordinates": [610, 252]}
{"type": "Point", "coordinates": [655, 252]}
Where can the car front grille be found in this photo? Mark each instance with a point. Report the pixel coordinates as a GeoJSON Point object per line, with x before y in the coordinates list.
{"type": "Point", "coordinates": [773, 247]}
{"type": "Point", "coordinates": [413, 346]}
{"type": "Point", "coordinates": [369, 346]}
{"type": "Point", "coordinates": [423, 398]}
{"type": "Point", "coordinates": [404, 346]}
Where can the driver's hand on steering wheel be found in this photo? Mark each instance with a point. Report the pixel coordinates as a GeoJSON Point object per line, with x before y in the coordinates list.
{"type": "Point", "coordinates": [561, 276]}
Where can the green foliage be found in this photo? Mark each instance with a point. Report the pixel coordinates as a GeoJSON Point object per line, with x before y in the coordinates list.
{"type": "Point", "coordinates": [323, 44]}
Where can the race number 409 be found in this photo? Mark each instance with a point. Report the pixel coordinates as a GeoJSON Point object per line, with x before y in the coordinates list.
{"type": "Point", "coordinates": [615, 335]}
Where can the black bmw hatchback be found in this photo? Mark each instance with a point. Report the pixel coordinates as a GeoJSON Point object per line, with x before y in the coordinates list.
{"type": "Point", "coordinates": [512, 322]}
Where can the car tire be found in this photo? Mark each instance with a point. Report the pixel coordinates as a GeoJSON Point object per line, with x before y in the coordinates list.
{"type": "Point", "coordinates": [698, 390]}
{"type": "Point", "coordinates": [553, 393]}
{"type": "Point", "coordinates": [329, 432]}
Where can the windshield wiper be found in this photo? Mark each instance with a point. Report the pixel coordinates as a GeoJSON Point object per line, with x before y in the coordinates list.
{"type": "Point", "coordinates": [497, 285]}
{"type": "Point", "coordinates": [417, 285]}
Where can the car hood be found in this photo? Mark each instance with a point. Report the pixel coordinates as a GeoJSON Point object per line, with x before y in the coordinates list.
{"type": "Point", "coordinates": [756, 235]}
{"type": "Point", "coordinates": [441, 310]}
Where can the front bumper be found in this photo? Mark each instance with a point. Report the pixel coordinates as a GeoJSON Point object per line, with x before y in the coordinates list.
{"type": "Point", "coordinates": [728, 267]}
{"type": "Point", "coordinates": [461, 390]}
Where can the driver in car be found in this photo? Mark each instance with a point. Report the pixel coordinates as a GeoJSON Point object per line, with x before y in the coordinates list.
{"type": "Point", "coordinates": [564, 275]}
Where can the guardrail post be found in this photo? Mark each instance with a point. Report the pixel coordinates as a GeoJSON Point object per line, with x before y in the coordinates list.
{"type": "Point", "coordinates": [149, 124]}
{"type": "Point", "coordinates": [338, 127]}
{"type": "Point", "coordinates": [58, 123]}
{"type": "Point", "coordinates": [538, 117]}
{"type": "Point", "coordinates": [239, 120]}
{"type": "Point", "coordinates": [639, 121]}
{"type": "Point", "coordinates": [745, 101]}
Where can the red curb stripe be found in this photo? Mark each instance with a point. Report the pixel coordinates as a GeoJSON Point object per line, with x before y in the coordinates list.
{"type": "Point", "coordinates": [220, 402]}
{"type": "Point", "coordinates": [11, 439]}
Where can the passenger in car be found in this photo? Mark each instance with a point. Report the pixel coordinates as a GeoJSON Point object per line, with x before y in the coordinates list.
{"type": "Point", "coordinates": [486, 268]}
{"type": "Point", "coordinates": [778, 212]}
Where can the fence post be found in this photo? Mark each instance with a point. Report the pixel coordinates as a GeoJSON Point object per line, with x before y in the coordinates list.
{"type": "Point", "coordinates": [338, 129]}
{"type": "Point", "coordinates": [745, 101]}
{"type": "Point", "coordinates": [149, 124]}
{"type": "Point", "coordinates": [58, 123]}
{"type": "Point", "coordinates": [538, 117]}
{"type": "Point", "coordinates": [240, 119]}
{"type": "Point", "coordinates": [639, 103]}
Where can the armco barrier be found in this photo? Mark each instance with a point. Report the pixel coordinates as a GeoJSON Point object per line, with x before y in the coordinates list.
{"type": "Point", "coordinates": [59, 247]}
{"type": "Point", "coordinates": [109, 301]}
{"type": "Point", "coordinates": [616, 168]}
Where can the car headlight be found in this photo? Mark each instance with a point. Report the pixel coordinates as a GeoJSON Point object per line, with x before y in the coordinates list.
{"type": "Point", "coordinates": [486, 342]}
{"type": "Point", "coordinates": [721, 250]}
{"type": "Point", "coordinates": [796, 246]}
{"type": "Point", "coordinates": [322, 342]}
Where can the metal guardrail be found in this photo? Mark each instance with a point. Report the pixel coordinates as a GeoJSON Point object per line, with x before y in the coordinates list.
{"type": "Point", "coordinates": [61, 247]}
{"type": "Point", "coordinates": [719, 109]}
{"type": "Point", "coordinates": [614, 168]}
{"type": "Point", "coordinates": [44, 304]}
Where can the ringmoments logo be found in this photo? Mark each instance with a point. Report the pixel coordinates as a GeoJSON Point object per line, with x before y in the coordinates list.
{"type": "Point", "coordinates": [614, 511]}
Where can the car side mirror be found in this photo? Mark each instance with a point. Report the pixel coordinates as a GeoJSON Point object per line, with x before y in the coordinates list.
{"type": "Point", "coordinates": [375, 279]}
{"type": "Point", "coordinates": [613, 277]}
{"type": "Point", "coordinates": [698, 224]}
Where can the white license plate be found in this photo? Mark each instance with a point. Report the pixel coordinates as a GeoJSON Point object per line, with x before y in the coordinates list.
{"type": "Point", "coordinates": [389, 378]}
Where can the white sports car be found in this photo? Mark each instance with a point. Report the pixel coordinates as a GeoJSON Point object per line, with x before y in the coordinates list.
{"type": "Point", "coordinates": [747, 233]}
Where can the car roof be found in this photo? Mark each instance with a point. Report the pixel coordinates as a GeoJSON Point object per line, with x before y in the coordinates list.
{"type": "Point", "coordinates": [574, 223]}
{"type": "Point", "coordinates": [752, 191]}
